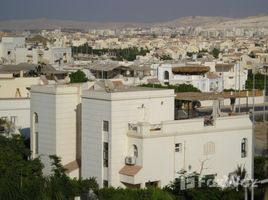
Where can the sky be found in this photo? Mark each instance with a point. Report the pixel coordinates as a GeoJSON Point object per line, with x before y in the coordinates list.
{"type": "Point", "coordinates": [128, 10]}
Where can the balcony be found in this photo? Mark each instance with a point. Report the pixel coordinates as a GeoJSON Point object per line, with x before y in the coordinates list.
{"type": "Point", "coordinates": [188, 126]}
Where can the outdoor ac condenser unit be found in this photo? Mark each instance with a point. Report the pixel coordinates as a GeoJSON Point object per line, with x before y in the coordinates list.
{"type": "Point", "coordinates": [130, 160]}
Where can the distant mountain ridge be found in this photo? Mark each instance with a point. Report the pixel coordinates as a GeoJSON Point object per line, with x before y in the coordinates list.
{"type": "Point", "coordinates": [218, 22]}
{"type": "Point", "coordinates": [196, 21]}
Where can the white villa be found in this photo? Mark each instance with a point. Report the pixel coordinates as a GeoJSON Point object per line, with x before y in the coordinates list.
{"type": "Point", "coordinates": [128, 137]}
{"type": "Point", "coordinates": [197, 75]}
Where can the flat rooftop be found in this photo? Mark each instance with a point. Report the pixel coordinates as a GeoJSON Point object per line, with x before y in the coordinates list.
{"type": "Point", "coordinates": [119, 93]}
{"type": "Point", "coordinates": [56, 89]}
{"type": "Point", "coordinates": [133, 89]}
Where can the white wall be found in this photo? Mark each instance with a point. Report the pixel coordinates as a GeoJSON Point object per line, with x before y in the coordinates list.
{"type": "Point", "coordinates": [8, 87]}
{"type": "Point", "coordinates": [56, 108]}
{"type": "Point", "coordinates": [161, 163]}
{"type": "Point", "coordinates": [48, 56]}
{"type": "Point", "coordinates": [119, 108]}
{"type": "Point", "coordinates": [9, 44]}
{"type": "Point", "coordinates": [93, 114]}
{"type": "Point", "coordinates": [45, 107]}
{"type": "Point", "coordinates": [20, 108]}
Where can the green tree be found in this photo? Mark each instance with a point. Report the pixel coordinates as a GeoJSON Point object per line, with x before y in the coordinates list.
{"type": "Point", "coordinates": [133, 194]}
{"type": "Point", "coordinates": [261, 168]}
{"type": "Point", "coordinates": [176, 88]}
{"type": "Point", "coordinates": [61, 186]}
{"type": "Point", "coordinates": [20, 177]}
{"type": "Point", "coordinates": [129, 54]}
{"type": "Point", "coordinates": [259, 81]}
{"type": "Point", "coordinates": [215, 52]}
{"type": "Point", "coordinates": [78, 77]}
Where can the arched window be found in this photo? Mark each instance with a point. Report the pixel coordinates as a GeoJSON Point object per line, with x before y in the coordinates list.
{"type": "Point", "coordinates": [135, 151]}
{"type": "Point", "coordinates": [166, 75]}
{"type": "Point", "coordinates": [209, 148]}
{"type": "Point", "coordinates": [36, 120]}
{"type": "Point", "coordinates": [244, 147]}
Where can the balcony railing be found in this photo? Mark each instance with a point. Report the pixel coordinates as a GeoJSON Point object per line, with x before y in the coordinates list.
{"type": "Point", "coordinates": [144, 127]}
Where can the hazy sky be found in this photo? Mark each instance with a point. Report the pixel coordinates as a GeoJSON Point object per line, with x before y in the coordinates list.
{"type": "Point", "coordinates": [128, 10]}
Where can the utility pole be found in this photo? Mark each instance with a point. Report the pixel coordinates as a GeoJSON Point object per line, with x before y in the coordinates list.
{"type": "Point", "coordinates": [253, 137]}
{"type": "Point", "coordinates": [239, 86]}
{"type": "Point", "coordinates": [264, 105]}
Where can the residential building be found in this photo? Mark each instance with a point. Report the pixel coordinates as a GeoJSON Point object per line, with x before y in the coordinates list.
{"type": "Point", "coordinates": [125, 142]}
{"type": "Point", "coordinates": [197, 75]}
{"type": "Point", "coordinates": [17, 112]}
{"type": "Point", "coordinates": [15, 85]}
{"type": "Point", "coordinates": [55, 128]}
{"type": "Point", "coordinates": [52, 55]}
{"type": "Point", "coordinates": [8, 47]}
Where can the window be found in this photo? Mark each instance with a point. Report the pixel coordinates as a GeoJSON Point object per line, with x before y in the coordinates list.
{"type": "Point", "coordinates": [166, 75]}
{"type": "Point", "coordinates": [105, 126]}
{"type": "Point", "coordinates": [178, 147]}
{"type": "Point", "coordinates": [105, 183]}
{"type": "Point", "coordinates": [35, 118]}
{"type": "Point", "coordinates": [36, 142]}
{"type": "Point", "coordinates": [14, 120]}
{"type": "Point", "coordinates": [135, 151]}
{"type": "Point", "coordinates": [244, 148]}
{"type": "Point", "coordinates": [36, 131]}
{"type": "Point", "coordinates": [105, 154]}
{"type": "Point", "coordinates": [209, 148]}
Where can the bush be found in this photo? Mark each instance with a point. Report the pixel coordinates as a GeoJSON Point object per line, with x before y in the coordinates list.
{"type": "Point", "coordinates": [78, 77]}
{"type": "Point", "coordinates": [133, 194]}
{"type": "Point", "coordinates": [176, 88]}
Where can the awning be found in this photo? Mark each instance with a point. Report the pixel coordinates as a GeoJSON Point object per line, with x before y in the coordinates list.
{"type": "Point", "coordinates": [130, 170]}
{"type": "Point", "coordinates": [71, 166]}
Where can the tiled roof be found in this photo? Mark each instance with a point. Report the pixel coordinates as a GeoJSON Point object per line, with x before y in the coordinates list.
{"type": "Point", "coordinates": [71, 166]}
{"type": "Point", "coordinates": [130, 170]}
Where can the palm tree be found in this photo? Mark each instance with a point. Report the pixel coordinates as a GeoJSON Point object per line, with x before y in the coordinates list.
{"type": "Point", "coordinates": [7, 128]}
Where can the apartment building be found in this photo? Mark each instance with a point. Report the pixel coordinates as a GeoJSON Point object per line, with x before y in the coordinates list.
{"type": "Point", "coordinates": [52, 55]}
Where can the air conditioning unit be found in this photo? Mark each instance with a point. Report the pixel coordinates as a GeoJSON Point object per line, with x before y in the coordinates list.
{"type": "Point", "coordinates": [130, 160]}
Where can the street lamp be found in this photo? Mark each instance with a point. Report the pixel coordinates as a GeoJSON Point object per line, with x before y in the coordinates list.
{"type": "Point", "coordinates": [264, 181]}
